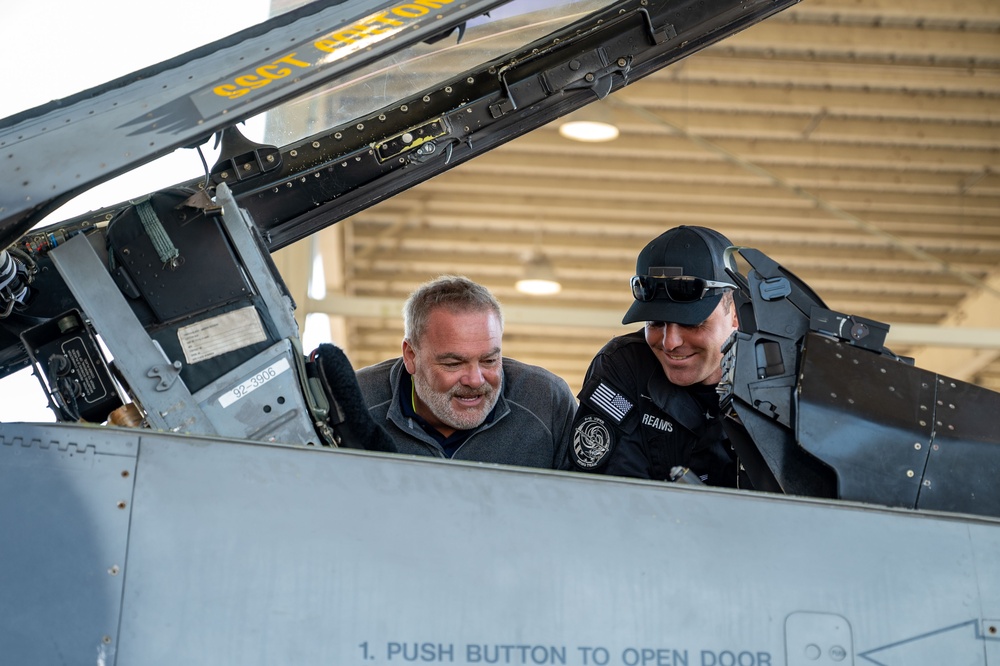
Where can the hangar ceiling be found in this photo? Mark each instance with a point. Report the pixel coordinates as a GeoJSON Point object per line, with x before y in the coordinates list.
{"type": "Point", "coordinates": [856, 143]}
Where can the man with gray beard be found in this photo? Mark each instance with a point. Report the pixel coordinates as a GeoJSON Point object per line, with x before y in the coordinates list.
{"type": "Point", "coordinates": [452, 394]}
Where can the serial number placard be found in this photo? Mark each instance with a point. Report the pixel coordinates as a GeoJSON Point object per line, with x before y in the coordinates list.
{"type": "Point", "coordinates": [253, 383]}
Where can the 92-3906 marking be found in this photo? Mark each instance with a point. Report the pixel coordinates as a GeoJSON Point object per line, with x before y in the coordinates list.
{"type": "Point", "coordinates": [253, 382]}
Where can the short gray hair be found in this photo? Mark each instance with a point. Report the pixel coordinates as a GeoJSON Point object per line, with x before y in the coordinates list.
{"type": "Point", "coordinates": [455, 292]}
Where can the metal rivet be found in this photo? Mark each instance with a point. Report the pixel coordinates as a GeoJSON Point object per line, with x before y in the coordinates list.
{"type": "Point", "coordinates": [293, 153]}
{"type": "Point", "coordinates": [909, 473]}
{"type": "Point", "coordinates": [114, 570]}
{"type": "Point", "coordinates": [917, 446]}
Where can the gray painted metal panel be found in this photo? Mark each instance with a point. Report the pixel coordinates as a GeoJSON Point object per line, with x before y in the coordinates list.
{"type": "Point", "coordinates": [261, 399]}
{"type": "Point", "coordinates": [259, 554]}
{"type": "Point", "coordinates": [65, 499]}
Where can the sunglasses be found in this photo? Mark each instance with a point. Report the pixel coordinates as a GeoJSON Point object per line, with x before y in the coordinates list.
{"type": "Point", "coordinates": [679, 288]}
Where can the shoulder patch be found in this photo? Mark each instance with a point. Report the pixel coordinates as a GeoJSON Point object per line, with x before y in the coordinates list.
{"type": "Point", "coordinates": [607, 400]}
{"type": "Point", "coordinates": [593, 442]}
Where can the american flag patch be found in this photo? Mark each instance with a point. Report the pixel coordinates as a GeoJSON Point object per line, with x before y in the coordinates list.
{"type": "Point", "coordinates": [611, 402]}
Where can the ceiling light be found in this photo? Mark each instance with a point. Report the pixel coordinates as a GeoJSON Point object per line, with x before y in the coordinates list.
{"type": "Point", "coordinates": [539, 277]}
{"type": "Point", "coordinates": [591, 123]}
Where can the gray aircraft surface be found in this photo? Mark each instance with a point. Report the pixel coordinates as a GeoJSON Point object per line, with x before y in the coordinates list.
{"type": "Point", "coordinates": [218, 518]}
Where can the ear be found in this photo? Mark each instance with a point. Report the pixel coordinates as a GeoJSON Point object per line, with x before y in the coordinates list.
{"type": "Point", "coordinates": [409, 356]}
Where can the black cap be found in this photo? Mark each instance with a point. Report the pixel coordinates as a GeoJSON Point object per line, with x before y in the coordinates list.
{"type": "Point", "coordinates": [694, 251]}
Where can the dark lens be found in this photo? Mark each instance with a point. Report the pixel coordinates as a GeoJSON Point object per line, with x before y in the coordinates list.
{"type": "Point", "coordinates": [643, 289]}
{"type": "Point", "coordinates": [685, 289]}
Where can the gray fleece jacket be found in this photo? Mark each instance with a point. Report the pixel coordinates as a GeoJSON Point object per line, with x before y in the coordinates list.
{"type": "Point", "coordinates": [531, 427]}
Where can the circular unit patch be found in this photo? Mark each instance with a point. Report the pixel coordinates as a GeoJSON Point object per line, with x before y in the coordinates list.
{"type": "Point", "coordinates": [592, 442]}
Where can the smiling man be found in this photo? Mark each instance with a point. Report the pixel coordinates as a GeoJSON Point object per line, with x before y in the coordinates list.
{"type": "Point", "coordinates": [452, 394]}
{"type": "Point", "coordinates": [648, 402]}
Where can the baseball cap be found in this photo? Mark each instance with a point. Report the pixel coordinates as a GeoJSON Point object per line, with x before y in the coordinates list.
{"type": "Point", "coordinates": [695, 252]}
